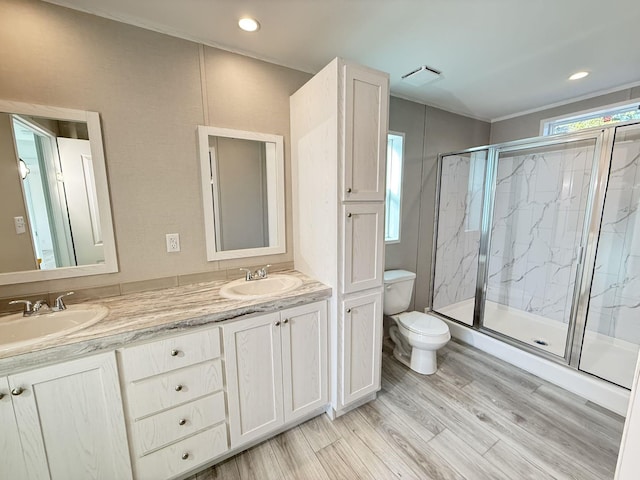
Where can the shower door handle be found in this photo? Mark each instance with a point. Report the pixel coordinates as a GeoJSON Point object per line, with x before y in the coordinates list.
{"type": "Point", "coordinates": [579, 254]}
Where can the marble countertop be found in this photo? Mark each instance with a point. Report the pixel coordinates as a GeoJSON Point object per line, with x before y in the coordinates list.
{"type": "Point", "coordinates": [142, 316]}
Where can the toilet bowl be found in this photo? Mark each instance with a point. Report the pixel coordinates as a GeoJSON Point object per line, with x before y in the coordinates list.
{"type": "Point", "coordinates": [417, 336]}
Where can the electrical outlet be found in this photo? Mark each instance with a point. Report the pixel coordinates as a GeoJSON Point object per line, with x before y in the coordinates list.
{"type": "Point", "coordinates": [19, 224]}
{"type": "Point", "coordinates": [173, 242]}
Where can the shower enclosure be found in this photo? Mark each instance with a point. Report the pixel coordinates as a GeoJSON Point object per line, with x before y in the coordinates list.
{"type": "Point", "coordinates": [536, 244]}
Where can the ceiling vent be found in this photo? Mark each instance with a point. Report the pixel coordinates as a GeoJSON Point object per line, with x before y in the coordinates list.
{"type": "Point", "coordinates": [421, 76]}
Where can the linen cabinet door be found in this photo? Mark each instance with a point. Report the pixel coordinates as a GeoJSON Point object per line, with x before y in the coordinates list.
{"type": "Point", "coordinates": [304, 359]}
{"type": "Point", "coordinates": [366, 96]}
{"type": "Point", "coordinates": [71, 420]}
{"type": "Point", "coordinates": [363, 246]}
{"type": "Point", "coordinates": [12, 464]}
{"type": "Point", "coordinates": [253, 363]}
{"type": "Point", "coordinates": [361, 349]}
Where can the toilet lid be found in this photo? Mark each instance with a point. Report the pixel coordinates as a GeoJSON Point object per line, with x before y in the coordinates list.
{"type": "Point", "coordinates": [423, 323]}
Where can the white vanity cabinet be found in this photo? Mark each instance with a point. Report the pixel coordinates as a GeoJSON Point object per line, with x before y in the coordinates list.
{"type": "Point", "coordinates": [339, 124]}
{"type": "Point", "coordinates": [276, 369]}
{"type": "Point", "coordinates": [70, 422]}
{"type": "Point", "coordinates": [12, 463]}
{"type": "Point", "coordinates": [174, 403]}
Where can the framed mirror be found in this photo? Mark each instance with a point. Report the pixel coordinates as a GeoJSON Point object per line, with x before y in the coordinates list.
{"type": "Point", "coordinates": [242, 192]}
{"type": "Point", "coordinates": [54, 199]}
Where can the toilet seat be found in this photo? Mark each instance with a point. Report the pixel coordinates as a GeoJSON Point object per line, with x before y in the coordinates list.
{"type": "Point", "coordinates": [422, 324]}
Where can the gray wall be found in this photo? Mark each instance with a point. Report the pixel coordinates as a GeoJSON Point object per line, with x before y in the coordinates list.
{"type": "Point", "coordinates": [428, 132]}
{"type": "Point", "coordinates": [526, 126]}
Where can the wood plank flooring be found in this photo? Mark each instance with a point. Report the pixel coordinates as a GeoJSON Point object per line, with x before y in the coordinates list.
{"type": "Point", "coordinates": [477, 418]}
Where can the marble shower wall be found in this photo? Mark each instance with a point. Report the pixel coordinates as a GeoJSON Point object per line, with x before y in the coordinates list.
{"type": "Point", "coordinates": [538, 219]}
{"type": "Point", "coordinates": [614, 306]}
{"type": "Point", "coordinates": [458, 240]}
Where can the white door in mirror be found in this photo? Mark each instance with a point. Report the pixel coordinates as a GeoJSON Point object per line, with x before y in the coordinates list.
{"type": "Point", "coordinates": [265, 287]}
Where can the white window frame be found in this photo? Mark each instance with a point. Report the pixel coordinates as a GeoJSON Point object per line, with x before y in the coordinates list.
{"type": "Point", "coordinates": [547, 123]}
{"type": "Point", "coordinates": [392, 241]}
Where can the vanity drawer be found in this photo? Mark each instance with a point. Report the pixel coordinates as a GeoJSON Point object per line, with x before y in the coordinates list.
{"type": "Point", "coordinates": [164, 428]}
{"type": "Point", "coordinates": [182, 456]}
{"type": "Point", "coordinates": [165, 355]}
{"type": "Point", "coordinates": [158, 393]}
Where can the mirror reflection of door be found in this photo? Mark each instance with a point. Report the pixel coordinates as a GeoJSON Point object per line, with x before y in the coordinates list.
{"type": "Point", "coordinates": [240, 193]}
{"type": "Point", "coordinates": [59, 194]}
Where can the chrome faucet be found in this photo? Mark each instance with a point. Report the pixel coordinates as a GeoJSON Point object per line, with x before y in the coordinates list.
{"type": "Point", "coordinates": [31, 308]}
{"type": "Point", "coordinates": [257, 275]}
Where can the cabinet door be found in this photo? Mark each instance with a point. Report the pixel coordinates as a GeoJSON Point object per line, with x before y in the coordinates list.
{"type": "Point", "coordinates": [361, 349]}
{"type": "Point", "coordinates": [254, 376]}
{"type": "Point", "coordinates": [12, 464]}
{"type": "Point", "coordinates": [363, 228]}
{"type": "Point", "coordinates": [366, 97]}
{"type": "Point", "coordinates": [304, 359]}
{"type": "Point", "coordinates": [71, 420]}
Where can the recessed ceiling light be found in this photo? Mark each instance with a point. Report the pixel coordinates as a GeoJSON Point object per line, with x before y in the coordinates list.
{"type": "Point", "coordinates": [578, 75]}
{"type": "Point", "coordinates": [248, 24]}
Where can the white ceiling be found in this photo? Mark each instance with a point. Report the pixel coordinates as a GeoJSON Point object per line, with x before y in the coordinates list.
{"type": "Point", "coordinates": [498, 57]}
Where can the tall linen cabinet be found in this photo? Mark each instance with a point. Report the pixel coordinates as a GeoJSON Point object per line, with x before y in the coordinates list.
{"type": "Point", "coordinates": [339, 124]}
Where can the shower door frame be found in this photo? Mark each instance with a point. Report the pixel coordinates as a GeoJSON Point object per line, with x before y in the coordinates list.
{"type": "Point", "coordinates": [588, 245]}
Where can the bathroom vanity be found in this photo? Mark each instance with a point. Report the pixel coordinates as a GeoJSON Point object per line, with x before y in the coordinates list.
{"type": "Point", "coordinates": [161, 388]}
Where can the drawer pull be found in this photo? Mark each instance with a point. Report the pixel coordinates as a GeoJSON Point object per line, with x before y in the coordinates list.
{"type": "Point", "coordinates": [17, 391]}
{"type": "Point", "coordinates": [178, 388]}
{"type": "Point", "coordinates": [182, 421]}
{"type": "Point", "coordinates": [348, 189]}
{"type": "Point", "coordinates": [185, 455]}
{"type": "Point", "coordinates": [174, 352]}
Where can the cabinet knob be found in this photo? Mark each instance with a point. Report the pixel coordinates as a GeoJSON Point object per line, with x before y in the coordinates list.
{"type": "Point", "coordinates": [185, 455]}
{"type": "Point", "coordinates": [348, 189]}
{"type": "Point", "coordinates": [286, 320]}
{"type": "Point", "coordinates": [2, 395]}
{"type": "Point", "coordinates": [174, 352]}
{"type": "Point", "coordinates": [348, 310]}
{"type": "Point", "coordinates": [348, 215]}
{"type": "Point", "coordinates": [278, 323]}
{"type": "Point", "coordinates": [178, 388]}
{"type": "Point", "coordinates": [17, 391]}
{"type": "Point", "coordinates": [182, 421]}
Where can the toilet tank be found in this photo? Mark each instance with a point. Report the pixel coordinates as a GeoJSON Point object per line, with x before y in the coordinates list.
{"type": "Point", "coordinates": [398, 287]}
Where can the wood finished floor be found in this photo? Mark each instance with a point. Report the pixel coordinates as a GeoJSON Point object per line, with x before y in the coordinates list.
{"type": "Point", "coordinates": [477, 418]}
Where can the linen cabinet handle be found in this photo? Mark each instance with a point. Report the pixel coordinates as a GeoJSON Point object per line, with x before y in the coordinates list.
{"type": "Point", "coordinates": [348, 189]}
{"type": "Point", "coordinates": [348, 215]}
{"type": "Point", "coordinates": [277, 323]}
{"type": "Point", "coordinates": [175, 352]}
{"type": "Point", "coordinates": [185, 455]}
{"type": "Point", "coordinates": [348, 310]}
{"type": "Point", "coordinates": [182, 421]}
{"type": "Point", "coordinates": [2, 395]}
{"type": "Point", "coordinates": [286, 320]}
{"type": "Point", "coordinates": [178, 388]}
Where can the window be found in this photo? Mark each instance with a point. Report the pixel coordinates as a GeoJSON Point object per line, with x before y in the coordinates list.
{"type": "Point", "coordinates": [592, 118]}
{"type": "Point", "coordinates": [395, 154]}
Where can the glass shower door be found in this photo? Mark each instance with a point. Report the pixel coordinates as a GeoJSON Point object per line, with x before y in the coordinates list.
{"type": "Point", "coordinates": [536, 232]}
{"type": "Point", "coordinates": [457, 240]}
{"type": "Point", "coordinates": [612, 336]}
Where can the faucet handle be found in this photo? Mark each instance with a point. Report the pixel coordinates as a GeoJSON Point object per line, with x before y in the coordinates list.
{"type": "Point", "coordinates": [248, 275]}
{"type": "Point", "coordinates": [28, 306]}
{"type": "Point", "coordinates": [59, 305]}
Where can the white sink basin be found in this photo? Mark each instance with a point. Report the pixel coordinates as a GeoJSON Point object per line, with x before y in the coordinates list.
{"type": "Point", "coordinates": [265, 287]}
{"type": "Point", "coordinates": [17, 331]}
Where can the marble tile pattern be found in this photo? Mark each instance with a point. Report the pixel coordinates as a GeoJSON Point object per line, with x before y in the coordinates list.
{"type": "Point", "coordinates": [538, 221]}
{"type": "Point", "coordinates": [143, 316]}
{"type": "Point", "coordinates": [614, 307]}
{"type": "Point", "coordinates": [458, 238]}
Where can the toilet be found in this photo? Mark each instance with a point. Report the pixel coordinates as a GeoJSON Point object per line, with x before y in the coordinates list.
{"type": "Point", "coordinates": [417, 336]}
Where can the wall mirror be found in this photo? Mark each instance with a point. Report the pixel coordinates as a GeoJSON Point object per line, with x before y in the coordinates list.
{"type": "Point", "coordinates": [242, 192]}
{"type": "Point", "coordinates": [54, 199]}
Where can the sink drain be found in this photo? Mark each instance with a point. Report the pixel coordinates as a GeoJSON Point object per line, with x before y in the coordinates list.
{"type": "Point", "coordinates": [539, 341]}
